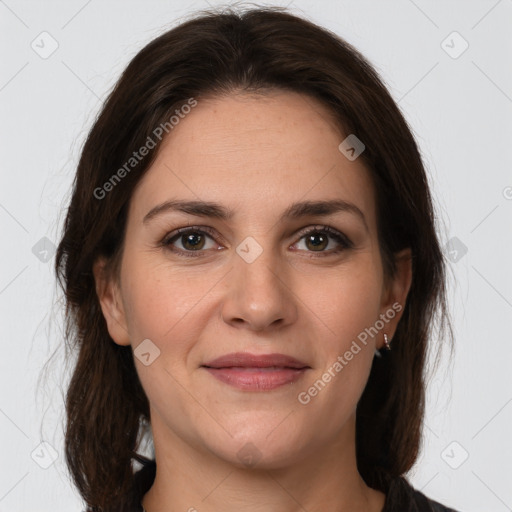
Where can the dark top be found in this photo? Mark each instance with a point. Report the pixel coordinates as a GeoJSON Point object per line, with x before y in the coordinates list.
{"type": "Point", "coordinates": [400, 496]}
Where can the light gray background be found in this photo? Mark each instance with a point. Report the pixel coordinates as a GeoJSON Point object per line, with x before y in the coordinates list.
{"type": "Point", "coordinates": [460, 110]}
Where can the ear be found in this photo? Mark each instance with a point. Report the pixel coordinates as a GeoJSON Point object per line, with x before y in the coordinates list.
{"type": "Point", "coordinates": [395, 293]}
{"type": "Point", "coordinates": [111, 304]}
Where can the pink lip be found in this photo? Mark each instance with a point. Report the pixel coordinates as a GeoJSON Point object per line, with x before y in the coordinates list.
{"type": "Point", "coordinates": [256, 372]}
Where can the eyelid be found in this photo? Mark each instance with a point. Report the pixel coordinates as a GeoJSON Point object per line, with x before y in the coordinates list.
{"type": "Point", "coordinates": [340, 238]}
{"type": "Point", "coordinates": [184, 230]}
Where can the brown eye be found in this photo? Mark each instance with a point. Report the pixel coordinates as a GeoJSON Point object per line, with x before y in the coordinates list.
{"type": "Point", "coordinates": [316, 241]}
{"type": "Point", "coordinates": [323, 240]}
{"type": "Point", "coordinates": [193, 241]}
{"type": "Point", "coordinates": [189, 240]}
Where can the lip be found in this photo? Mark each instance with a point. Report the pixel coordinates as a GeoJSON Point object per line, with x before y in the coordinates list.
{"type": "Point", "coordinates": [256, 372]}
{"type": "Point", "coordinates": [247, 360]}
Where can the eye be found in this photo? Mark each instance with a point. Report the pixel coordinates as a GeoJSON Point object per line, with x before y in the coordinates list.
{"type": "Point", "coordinates": [323, 239]}
{"type": "Point", "coordinates": [189, 240]}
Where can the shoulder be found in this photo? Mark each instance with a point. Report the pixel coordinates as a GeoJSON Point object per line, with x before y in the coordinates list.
{"type": "Point", "coordinates": [402, 497]}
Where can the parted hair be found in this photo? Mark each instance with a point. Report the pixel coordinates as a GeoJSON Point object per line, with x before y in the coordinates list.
{"type": "Point", "coordinates": [219, 52]}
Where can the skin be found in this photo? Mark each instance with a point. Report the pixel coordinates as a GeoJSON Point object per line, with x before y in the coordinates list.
{"type": "Point", "coordinates": [255, 155]}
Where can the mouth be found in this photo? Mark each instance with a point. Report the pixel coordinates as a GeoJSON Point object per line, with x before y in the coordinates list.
{"type": "Point", "coordinates": [256, 372]}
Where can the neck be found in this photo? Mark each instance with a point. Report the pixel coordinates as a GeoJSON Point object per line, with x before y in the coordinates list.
{"type": "Point", "coordinates": [190, 479]}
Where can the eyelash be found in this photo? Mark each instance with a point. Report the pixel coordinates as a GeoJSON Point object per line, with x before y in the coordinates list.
{"type": "Point", "coordinates": [342, 239]}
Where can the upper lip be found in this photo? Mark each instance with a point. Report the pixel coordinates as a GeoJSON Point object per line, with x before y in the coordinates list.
{"type": "Point", "coordinates": [245, 360]}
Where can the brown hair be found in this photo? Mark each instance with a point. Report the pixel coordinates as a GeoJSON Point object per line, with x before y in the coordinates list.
{"type": "Point", "coordinates": [219, 53]}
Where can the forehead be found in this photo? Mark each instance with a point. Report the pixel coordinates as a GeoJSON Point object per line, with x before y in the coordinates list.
{"type": "Point", "coordinates": [255, 152]}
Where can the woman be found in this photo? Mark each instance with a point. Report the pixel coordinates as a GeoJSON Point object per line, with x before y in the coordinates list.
{"type": "Point", "coordinates": [252, 271]}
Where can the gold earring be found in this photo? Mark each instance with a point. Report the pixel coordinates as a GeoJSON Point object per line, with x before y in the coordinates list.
{"type": "Point", "coordinates": [387, 342]}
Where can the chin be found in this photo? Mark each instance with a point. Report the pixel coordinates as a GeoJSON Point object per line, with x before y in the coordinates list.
{"type": "Point", "coordinates": [258, 446]}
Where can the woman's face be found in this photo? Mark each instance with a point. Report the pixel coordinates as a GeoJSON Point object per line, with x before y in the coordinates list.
{"type": "Point", "coordinates": [259, 274]}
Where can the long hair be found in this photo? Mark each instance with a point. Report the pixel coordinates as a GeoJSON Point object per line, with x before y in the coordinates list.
{"type": "Point", "coordinates": [218, 53]}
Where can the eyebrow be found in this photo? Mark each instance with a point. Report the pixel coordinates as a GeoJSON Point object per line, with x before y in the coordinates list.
{"type": "Point", "coordinates": [294, 211]}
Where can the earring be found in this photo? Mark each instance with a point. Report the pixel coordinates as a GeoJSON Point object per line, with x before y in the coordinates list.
{"type": "Point", "coordinates": [387, 342]}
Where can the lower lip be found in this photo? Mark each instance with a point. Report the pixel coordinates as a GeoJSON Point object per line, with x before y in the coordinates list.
{"type": "Point", "coordinates": [257, 379]}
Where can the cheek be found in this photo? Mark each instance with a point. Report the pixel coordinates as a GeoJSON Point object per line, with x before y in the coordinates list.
{"type": "Point", "coordinates": [161, 300]}
{"type": "Point", "coordinates": [347, 302]}
{"type": "Point", "coordinates": [164, 306]}
{"type": "Point", "coordinates": [347, 306]}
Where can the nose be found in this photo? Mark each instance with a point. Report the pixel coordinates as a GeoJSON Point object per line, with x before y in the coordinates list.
{"type": "Point", "coordinates": [258, 296]}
